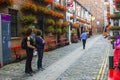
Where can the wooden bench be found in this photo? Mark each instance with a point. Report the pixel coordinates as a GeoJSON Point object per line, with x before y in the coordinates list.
{"type": "Point", "coordinates": [18, 53]}
{"type": "Point", "coordinates": [51, 44]}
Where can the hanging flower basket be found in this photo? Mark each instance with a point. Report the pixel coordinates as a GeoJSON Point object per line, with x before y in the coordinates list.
{"type": "Point", "coordinates": [75, 25]}
{"type": "Point", "coordinates": [50, 29]}
{"type": "Point", "coordinates": [47, 2]}
{"type": "Point", "coordinates": [43, 10]}
{"type": "Point", "coordinates": [4, 3]}
{"type": "Point", "coordinates": [114, 16]}
{"type": "Point", "coordinates": [58, 24]}
{"type": "Point", "coordinates": [65, 24]}
{"type": "Point", "coordinates": [72, 17]}
{"type": "Point", "coordinates": [65, 30]}
{"type": "Point", "coordinates": [29, 7]}
{"type": "Point", "coordinates": [61, 7]}
{"type": "Point", "coordinates": [26, 20]}
{"type": "Point", "coordinates": [49, 22]}
{"type": "Point", "coordinates": [59, 30]}
{"type": "Point", "coordinates": [50, 12]}
{"type": "Point", "coordinates": [24, 29]}
{"type": "Point", "coordinates": [115, 28]}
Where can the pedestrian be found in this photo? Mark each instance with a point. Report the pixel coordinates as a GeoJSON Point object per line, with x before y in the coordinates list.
{"type": "Point", "coordinates": [40, 48]}
{"type": "Point", "coordinates": [84, 38]}
{"type": "Point", "coordinates": [29, 51]}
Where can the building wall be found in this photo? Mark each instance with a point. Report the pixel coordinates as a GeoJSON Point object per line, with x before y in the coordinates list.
{"type": "Point", "coordinates": [97, 10]}
{"type": "Point", "coordinates": [17, 5]}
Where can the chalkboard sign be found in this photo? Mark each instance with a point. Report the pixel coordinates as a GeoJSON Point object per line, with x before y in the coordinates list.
{"type": "Point", "coordinates": [5, 38]}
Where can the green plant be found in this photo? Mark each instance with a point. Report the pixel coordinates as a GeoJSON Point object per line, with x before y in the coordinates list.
{"type": "Point", "coordinates": [74, 31]}
{"type": "Point", "coordinates": [49, 22]}
{"type": "Point", "coordinates": [58, 30]}
{"type": "Point", "coordinates": [27, 19]}
{"type": "Point", "coordinates": [24, 29]}
{"type": "Point", "coordinates": [115, 28]}
{"type": "Point", "coordinates": [50, 29]}
{"type": "Point", "coordinates": [65, 30]}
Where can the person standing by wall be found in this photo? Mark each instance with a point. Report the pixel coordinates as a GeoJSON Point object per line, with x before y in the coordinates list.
{"type": "Point", "coordinates": [40, 48]}
{"type": "Point", "coordinates": [29, 50]}
{"type": "Point", "coordinates": [84, 38]}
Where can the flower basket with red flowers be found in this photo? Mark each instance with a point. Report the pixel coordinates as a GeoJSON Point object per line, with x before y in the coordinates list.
{"type": "Point", "coordinates": [75, 25]}
{"type": "Point", "coordinates": [49, 22]}
{"type": "Point", "coordinates": [65, 24]}
{"type": "Point", "coordinates": [72, 17]}
{"type": "Point", "coordinates": [47, 2]}
{"type": "Point", "coordinates": [26, 20]}
{"type": "Point", "coordinates": [61, 7]}
{"type": "Point", "coordinates": [29, 7]}
{"type": "Point", "coordinates": [6, 3]}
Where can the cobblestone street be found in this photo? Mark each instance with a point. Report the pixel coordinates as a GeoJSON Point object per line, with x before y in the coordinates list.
{"type": "Point", "coordinates": [66, 63]}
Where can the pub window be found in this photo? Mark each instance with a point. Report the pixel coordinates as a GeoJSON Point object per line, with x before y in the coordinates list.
{"type": "Point", "coordinates": [116, 22]}
{"type": "Point", "coordinates": [14, 21]}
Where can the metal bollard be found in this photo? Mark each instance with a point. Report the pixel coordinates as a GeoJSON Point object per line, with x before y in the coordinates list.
{"type": "Point", "coordinates": [110, 62]}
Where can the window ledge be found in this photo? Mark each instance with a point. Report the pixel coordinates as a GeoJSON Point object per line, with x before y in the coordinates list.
{"type": "Point", "coordinates": [12, 38]}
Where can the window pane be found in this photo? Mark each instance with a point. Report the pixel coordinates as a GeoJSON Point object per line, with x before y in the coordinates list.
{"type": "Point", "coordinates": [14, 26]}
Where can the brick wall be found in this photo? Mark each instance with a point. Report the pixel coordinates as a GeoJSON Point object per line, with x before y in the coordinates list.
{"type": "Point", "coordinates": [97, 10]}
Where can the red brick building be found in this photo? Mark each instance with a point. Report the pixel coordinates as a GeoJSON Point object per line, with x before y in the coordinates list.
{"type": "Point", "coordinates": [96, 7]}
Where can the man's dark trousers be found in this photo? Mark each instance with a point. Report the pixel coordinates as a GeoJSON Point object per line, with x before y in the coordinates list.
{"type": "Point", "coordinates": [84, 42]}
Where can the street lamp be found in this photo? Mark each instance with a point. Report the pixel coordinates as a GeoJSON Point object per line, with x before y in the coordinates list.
{"type": "Point", "coordinates": [92, 19]}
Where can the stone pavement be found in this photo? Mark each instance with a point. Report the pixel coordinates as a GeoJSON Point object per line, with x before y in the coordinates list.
{"type": "Point", "coordinates": [66, 63]}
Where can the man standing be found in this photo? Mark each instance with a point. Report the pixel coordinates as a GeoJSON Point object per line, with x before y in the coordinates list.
{"type": "Point", "coordinates": [84, 38]}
